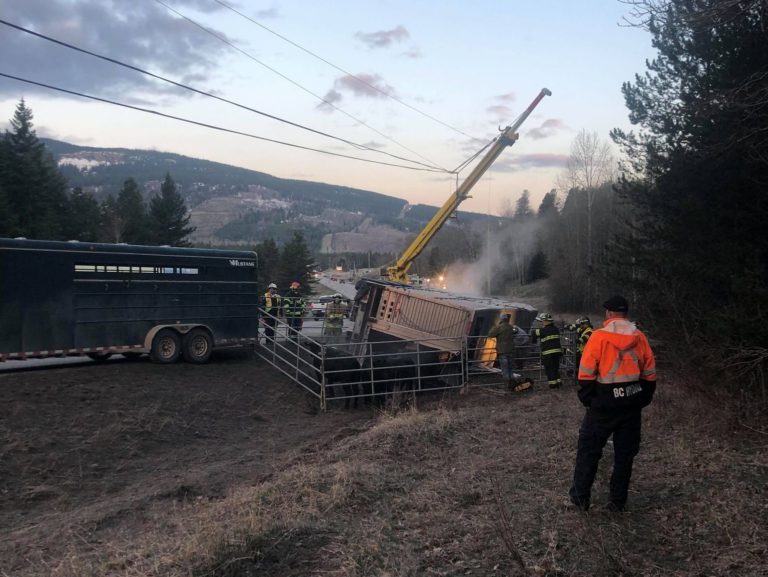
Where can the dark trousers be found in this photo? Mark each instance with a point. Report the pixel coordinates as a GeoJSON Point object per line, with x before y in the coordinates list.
{"type": "Point", "coordinates": [551, 364]}
{"type": "Point", "coordinates": [269, 327]}
{"type": "Point", "coordinates": [295, 323]}
{"type": "Point", "coordinates": [595, 430]}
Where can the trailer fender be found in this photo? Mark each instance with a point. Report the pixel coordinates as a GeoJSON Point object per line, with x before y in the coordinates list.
{"type": "Point", "coordinates": [182, 329]}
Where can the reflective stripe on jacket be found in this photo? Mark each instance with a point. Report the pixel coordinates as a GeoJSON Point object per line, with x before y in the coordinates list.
{"type": "Point", "coordinates": [334, 313]}
{"type": "Point", "coordinates": [549, 337]}
{"type": "Point", "coordinates": [272, 303]}
{"type": "Point", "coordinates": [294, 305]}
{"type": "Point", "coordinates": [583, 338]}
{"type": "Point", "coordinates": [618, 369]}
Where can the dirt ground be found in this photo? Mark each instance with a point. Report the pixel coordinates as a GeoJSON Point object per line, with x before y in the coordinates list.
{"type": "Point", "coordinates": [227, 469]}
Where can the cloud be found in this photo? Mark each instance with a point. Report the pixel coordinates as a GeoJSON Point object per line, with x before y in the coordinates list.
{"type": "Point", "coordinates": [369, 85]}
{"type": "Point", "coordinates": [515, 163]}
{"type": "Point", "coordinates": [143, 34]}
{"type": "Point", "coordinates": [501, 111]}
{"type": "Point", "coordinates": [383, 38]}
{"type": "Point", "coordinates": [549, 127]}
{"type": "Point", "coordinates": [413, 53]}
{"type": "Point", "coordinates": [330, 98]}
{"type": "Point", "coordinates": [364, 85]}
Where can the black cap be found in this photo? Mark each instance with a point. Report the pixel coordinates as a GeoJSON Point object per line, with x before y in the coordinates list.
{"type": "Point", "coordinates": [616, 304]}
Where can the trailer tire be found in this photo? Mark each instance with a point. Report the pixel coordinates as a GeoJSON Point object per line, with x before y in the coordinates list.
{"type": "Point", "coordinates": [166, 347]}
{"type": "Point", "coordinates": [197, 346]}
{"type": "Point", "coordinates": [99, 357]}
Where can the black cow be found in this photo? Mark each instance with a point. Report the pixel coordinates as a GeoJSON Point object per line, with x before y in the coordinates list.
{"type": "Point", "coordinates": [390, 373]}
{"type": "Point", "coordinates": [340, 368]}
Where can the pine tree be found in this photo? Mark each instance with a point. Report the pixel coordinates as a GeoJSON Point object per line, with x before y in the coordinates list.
{"type": "Point", "coordinates": [34, 188]}
{"type": "Point", "coordinates": [133, 213]}
{"type": "Point", "coordinates": [523, 210]}
{"type": "Point", "coordinates": [269, 259]}
{"type": "Point", "coordinates": [110, 221]}
{"type": "Point", "coordinates": [168, 218]}
{"type": "Point", "coordinates": [696, 249]}
{"type": "Point", "coordinates": [82, 222]}
{"type": "Point", "coordinates": [295, 264]}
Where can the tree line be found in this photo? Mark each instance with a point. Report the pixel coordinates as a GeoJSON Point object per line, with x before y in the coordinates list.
{"type": "Point", "coordinates": [35, 201]}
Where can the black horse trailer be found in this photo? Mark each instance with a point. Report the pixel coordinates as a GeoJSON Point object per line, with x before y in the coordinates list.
{"type": "Point", "coordinates": [79, 298]}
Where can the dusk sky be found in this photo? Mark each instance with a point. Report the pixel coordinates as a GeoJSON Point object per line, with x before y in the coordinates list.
{"type": "Point", "coordinates": [471, 66]}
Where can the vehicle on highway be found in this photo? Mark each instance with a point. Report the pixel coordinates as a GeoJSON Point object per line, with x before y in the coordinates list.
{"type": "Point", "coordinates": [82, 298]}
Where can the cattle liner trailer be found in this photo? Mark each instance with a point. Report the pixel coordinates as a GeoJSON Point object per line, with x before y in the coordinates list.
{"type": "Point", "coordinates": [389, 311]}
{"type": "Point", "coordinates": [70, 298]}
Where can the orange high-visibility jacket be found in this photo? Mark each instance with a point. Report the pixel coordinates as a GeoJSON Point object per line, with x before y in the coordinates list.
{"type": "Point", "coordinates": [618, 369]}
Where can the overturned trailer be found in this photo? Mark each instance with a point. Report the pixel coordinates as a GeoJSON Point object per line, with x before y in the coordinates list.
{"type": "Point", "coordinates": [389, 316]}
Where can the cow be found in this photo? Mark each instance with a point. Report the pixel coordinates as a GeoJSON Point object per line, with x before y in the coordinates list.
{"type": "Point", "coordinates": [338, 367]}
{"type": "Point", "coordinates": [390, 374]}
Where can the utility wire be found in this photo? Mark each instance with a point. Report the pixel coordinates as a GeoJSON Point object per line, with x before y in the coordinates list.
{"type": "Point", "coordinates": [283, 76]}
{"type": "Point", "coordinates": [212, 126]}
{"type": "Point", "coordinates": [358, 79]}
{"type": "Point", "coordinates": [204, 93]}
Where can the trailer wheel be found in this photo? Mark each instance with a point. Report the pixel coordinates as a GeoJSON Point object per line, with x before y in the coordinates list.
{"type": "Point", "coordinates": [198, 346]}
{"type": "Point", "coordinates": [99, 357]}
{"type": "Point", "coordinates": [166, 347]}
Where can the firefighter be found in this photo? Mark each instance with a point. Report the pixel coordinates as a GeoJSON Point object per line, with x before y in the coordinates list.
{"type": "Point", "coordinates": [294, 307]}
{"type": "Point", "coordinates": [335, 312]}
{"type": "Point", "coordinates": [584, 329]}
{"type": "Point", "coordinates": [549, 342]}
{"type": "Point", "coordinates": [272, 304]}
{"type": "Point", "coordinates": [617, 378]}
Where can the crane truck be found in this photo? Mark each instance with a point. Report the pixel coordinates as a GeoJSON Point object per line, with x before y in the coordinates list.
{"type": "Point", "coordinates": [399, 271]}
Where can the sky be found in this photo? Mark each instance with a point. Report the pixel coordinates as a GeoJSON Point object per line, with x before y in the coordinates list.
{"type": "Point", "coordinates": [426, 82]}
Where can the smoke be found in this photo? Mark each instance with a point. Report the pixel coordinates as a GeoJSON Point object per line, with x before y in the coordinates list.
{"type": "Point", "coordinates": [502, 264]}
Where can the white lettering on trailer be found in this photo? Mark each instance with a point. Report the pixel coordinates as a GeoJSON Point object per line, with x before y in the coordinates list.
{"type": "Point", "coordinates": [236, 262]}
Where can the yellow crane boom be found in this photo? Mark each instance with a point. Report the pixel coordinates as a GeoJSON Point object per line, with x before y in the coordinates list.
{"type": "Point", "coordinates": [399, 271]}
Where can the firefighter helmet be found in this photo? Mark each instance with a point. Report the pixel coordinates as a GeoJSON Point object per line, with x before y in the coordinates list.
{"type": "Point", "coordinates": [583, 321]}
{"type": "Point", "coordinates": [544, 317]}
{"type": "Point", "coordinates": [272, 285]}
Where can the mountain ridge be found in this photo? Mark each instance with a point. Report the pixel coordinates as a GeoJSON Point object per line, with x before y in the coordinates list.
{"type": "Point", "coordinates": [234, 205]}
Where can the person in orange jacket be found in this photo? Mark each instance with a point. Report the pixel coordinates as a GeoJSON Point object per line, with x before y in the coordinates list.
{"type": "Point", "coordinates": [617, 378]}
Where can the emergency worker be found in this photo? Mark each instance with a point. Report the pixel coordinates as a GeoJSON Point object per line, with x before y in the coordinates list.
{"type": "Point", "coordinates": [334, 317]}
{"type": "Point", "coordinates": [584, 329]}
{"type": "Point", "coordinates": [617, 378]}
{"type": "Point", "coordinates": [549, 342]}
{"type": "Point", "coordinates": [294, 308]}
{"type": "Point", "coordinates": [505, 335]}
{"type": "Point", "coordinates": [272, 303]}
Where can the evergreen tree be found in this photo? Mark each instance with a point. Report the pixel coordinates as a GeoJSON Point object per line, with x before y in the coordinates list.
{"type": "Point", "coordinates": [269, 259]}
{"type": "Point", "coordinates": [696, 248]}
{"type": "Point", "coordinates": [82, 222]}
{"type": "Point", "coordinates": [133, 213]}
{"type": "Point", "coordinates": [295, 264]}
{"type": "Point", "coordinates": [538, 268]}
{"type": "Point", "coordinates": [34, 188]}
{"type": "Point", "coordinates": [110, 221]}
{"type": "Point", "coordinates": [523, 210]}
{"type": "Point", "coordinates": [548, 206]}
{"type": "Point", "coordinates": [168, 218]}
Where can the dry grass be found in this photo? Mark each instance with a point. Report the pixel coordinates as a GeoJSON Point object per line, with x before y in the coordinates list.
{"type": "Point", "coordinates": [478, 488]}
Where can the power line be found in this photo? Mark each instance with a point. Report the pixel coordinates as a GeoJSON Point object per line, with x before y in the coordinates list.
{"type": "Point", "coordinates": [357, 78]}
{"type": "Point", "coordinates": [211, 126]}
{"type": "Point", "coordinates": [208, 94]}
{"type": "Point", "coordinates": [283, 76]}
